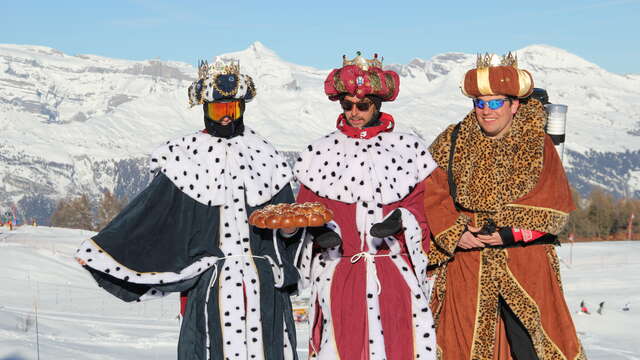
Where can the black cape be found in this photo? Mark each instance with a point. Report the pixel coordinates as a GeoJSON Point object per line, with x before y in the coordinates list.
{"type": "Point", "coordinates": [171, 238]}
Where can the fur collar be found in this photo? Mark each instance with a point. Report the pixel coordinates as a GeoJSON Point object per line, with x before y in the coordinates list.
{"type": "Point", "coordinates": [490, 173]}
{"type": "Point", "coordinates": [382, 169]}
{"type": "Point", "coordinates": [196, 164]}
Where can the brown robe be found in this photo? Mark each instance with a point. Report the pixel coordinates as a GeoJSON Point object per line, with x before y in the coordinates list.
{"type": "Point", "coordinates": [518, 181]}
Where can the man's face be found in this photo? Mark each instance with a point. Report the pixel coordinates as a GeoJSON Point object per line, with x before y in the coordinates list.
{"type": "Point", "coordinates": [356, 117]}
{"type": "Point", "coordinates": [224, 112]}
{"type": "Point", "coordinates": [495, 123]}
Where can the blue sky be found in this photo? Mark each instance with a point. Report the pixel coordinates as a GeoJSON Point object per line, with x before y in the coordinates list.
{"type": "Point", "coordinates": [317, 33]}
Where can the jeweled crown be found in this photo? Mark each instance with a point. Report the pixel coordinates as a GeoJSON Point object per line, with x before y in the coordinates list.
{"type": "Point", "coordinates": [219, 67]}
{"type": "Point", "coordinates": [363, 63]}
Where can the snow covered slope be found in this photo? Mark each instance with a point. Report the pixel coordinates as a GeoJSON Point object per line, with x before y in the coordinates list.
{"type": "Point", "coordinates": [78, 320]}
{"type": "Point", "coordinates": [84, 123]}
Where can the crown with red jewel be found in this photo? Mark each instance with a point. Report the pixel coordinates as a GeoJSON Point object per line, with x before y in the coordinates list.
{"type": "Point", "coordinates": [361, 62]}
{"type": "Point", "coordinates": [361, 77]}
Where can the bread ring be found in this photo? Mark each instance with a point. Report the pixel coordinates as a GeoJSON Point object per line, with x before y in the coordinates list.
{"type": "Point", "coordinates": [327, 215]}
{"type": "Point", "coordinates": [275, 216]}
{"type": "Point", "coordinates": [300, 221]}
{"type": "Point", "coordinates": [259, 219]}
{"type": "Point", "coordinates": [273, 221]}
{"type": "Point", "coordinates": [315, 220]}
{"type": "Point", "coordinates": [287, 222]}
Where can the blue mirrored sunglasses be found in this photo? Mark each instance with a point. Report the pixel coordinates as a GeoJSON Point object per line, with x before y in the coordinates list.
{"type": "Point", "coordinates": [493, 104]}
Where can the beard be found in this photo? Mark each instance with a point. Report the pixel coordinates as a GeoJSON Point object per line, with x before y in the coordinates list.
{"type": "Point", "coordinates": [362, 121]}
{"type": "Point", "coordinates": [356, 118]}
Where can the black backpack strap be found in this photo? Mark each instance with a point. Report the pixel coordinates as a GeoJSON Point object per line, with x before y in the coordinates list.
{"type": "Point", "coordinates": [453, 191]}
{"type": "Point", "coordinates": [452, 150]}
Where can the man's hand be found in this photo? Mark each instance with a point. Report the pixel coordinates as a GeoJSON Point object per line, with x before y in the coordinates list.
{"type": "Point", "coordinates": [468, 240]}
{"type": "Point", "coordinates": [494, 239]}
{"type": "Point", "coordinates": [390, 226]}
{"type": "Point", "coordinates": [324, 237]}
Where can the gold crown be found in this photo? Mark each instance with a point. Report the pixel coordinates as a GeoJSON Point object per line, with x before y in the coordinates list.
{"type": "Point", "coordinates": [363, 63]}
{"type": "Point", "coordinates": [218, 68]}
{"type": "Point", "coordinates": [484, 61]}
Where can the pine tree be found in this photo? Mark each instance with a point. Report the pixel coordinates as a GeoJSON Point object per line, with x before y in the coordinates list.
{"type": "Point", "coordinates": [601, 213]}
{"type": "Point", "coordinates": [74, 213]}
{"type": "Point", "coordinates": [58, 218]}
{"type": "Point", "coordinates": [602, 216]}
{"type": "Point", "coordinates": [108, 208]}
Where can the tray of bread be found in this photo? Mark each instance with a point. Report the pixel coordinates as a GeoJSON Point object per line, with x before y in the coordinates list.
{"type": "Point", "coordinates": [291, 215]}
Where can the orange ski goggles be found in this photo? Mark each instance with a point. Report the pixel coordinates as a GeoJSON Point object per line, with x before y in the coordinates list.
{"type": "Point", "coordinates": [219, 110]}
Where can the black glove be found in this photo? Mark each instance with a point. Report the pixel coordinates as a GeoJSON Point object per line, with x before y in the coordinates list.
{"type": "Point", "coordinates": [390, 226]}
{"type": "Point", "coordinates": [488, 228]}
{"type": "Point", "coordinates": [324, 237]}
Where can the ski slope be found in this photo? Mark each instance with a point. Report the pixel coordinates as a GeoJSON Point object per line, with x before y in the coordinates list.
{"type": "Point", "coordinates": [77, 320]}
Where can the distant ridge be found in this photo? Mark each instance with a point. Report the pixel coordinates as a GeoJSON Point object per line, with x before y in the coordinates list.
{"type": "Point", "coordinates": [84, 123]}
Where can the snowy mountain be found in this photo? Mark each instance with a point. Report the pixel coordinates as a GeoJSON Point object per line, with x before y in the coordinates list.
{"type": "Point", "coordinates": [84, 123]}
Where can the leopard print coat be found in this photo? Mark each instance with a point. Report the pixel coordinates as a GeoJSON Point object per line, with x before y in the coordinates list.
{"type": "Point", "coordinates": [492, 174]}
{"type": "Point", "coordinates": [492, 177]}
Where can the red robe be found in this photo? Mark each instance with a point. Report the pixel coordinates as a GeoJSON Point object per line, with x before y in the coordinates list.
{"type": "Point", "coordinates": [350, 320]}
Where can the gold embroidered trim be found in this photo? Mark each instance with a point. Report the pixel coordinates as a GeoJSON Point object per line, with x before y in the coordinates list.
{"type": "Point", "coordinates": [390, 85]}
{"type": "Point", "coordinates": [447, 240]}
{"type": "Point", "coordinates": [436, 256]}
{"type": "Point", "coordinates": [491, 261]}
{"type": "Point", "coordinates": [233, 91]}
{"type": "Point", "coordinates": [438, 293]}
{"type": "Point", "coordinates": [445, 230]}
{"type": "Point", "coordinates": [252, 89]}
{"type": "Point", "coordinates": [337, 81]}
{"type": "Point", "coordinates": [541, 341]}
{"type": "Point", "coordinates": [376, 82]}
{"type": "Point", "coordinates": [581, 355]}
{"type": "Point", "coordinates": [532, 218]}
{"type": "Point", "coordinates": [537, 208]}
{"type": "Point", "coordinates": [555, 263]}
{"type": "Point", "coordinates": [479, 311]}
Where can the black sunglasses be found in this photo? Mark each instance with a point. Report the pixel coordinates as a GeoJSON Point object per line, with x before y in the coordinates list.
{"type": "Point", "coordinates": [361, 105]}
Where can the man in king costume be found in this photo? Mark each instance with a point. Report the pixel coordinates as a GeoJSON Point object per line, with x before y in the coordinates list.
{"type": "Point", "coordinates": [188, 232]}
{"type": "Point", "coordinates": [495, 205]}
{"type": "Point", "coordinates": [368, 275]}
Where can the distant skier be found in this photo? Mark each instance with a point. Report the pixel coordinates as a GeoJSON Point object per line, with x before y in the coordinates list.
{"type": "Point", "coordinates": [583, 308]}
{"type": "Point", "coordinates": [626, 307]}
{"type": "Point", "coordinates": [600, 308]}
